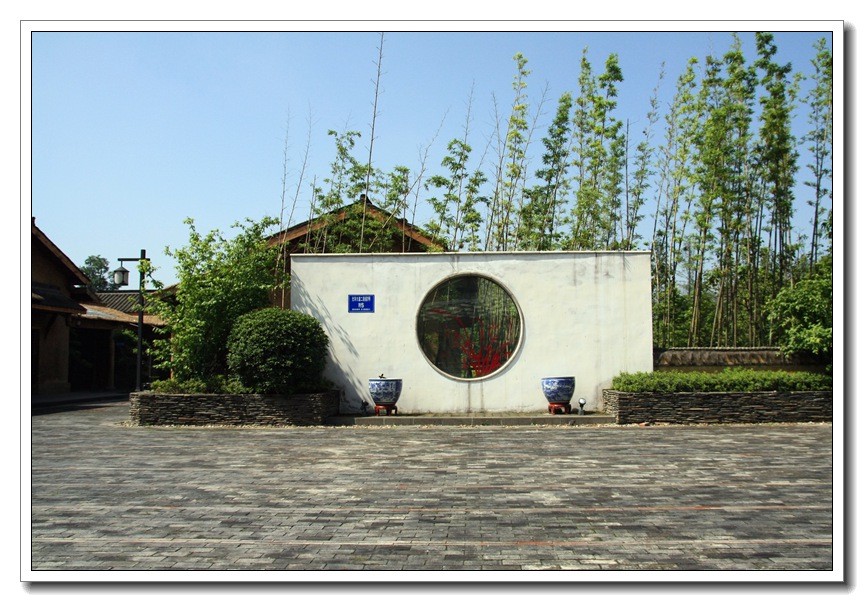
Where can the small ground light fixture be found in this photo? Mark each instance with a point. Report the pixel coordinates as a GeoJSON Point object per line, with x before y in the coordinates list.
{"type": "Point", "coordinates": [582, 403]}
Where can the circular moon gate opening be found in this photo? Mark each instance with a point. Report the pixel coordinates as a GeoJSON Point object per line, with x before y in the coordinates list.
{"type": "Point", "coordinates": [469, 327]}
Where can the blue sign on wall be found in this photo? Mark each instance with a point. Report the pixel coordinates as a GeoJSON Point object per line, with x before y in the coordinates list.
{"type": "Point", "coordinates": [361, 304]}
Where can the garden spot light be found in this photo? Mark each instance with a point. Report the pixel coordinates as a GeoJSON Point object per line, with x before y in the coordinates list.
{"type": "Point", "coordinates": [582, 403]}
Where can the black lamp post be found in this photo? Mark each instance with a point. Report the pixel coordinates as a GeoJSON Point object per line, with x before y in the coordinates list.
{"type": "Point", "coordinates": [121, 278]}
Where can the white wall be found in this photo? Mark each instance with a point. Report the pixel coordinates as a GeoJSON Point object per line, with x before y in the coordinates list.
{"type": "Point", "coordinates": [585, 314]}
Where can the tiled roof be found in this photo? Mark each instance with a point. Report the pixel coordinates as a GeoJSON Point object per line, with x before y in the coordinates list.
{"type": "Point", "coordinates": [299, 231]}
{"type": "Point", "coordinates": [49, 298]}
{"type": "Point", "coordinates": [125, 301]}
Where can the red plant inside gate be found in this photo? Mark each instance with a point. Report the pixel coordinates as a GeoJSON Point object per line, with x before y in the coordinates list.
{"type": "Point", "coordinates": [481, 345]}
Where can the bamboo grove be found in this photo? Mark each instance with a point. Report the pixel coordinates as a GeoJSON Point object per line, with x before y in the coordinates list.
{"type": "Point", "coordinates": [707, 184]}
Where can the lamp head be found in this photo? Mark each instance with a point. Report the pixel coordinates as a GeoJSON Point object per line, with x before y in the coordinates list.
{"type": "Point", "coordinates": [121, 276]}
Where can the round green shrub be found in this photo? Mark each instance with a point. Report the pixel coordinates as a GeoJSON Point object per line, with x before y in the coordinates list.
{"type": "Point", "coordinates": [278, 351]}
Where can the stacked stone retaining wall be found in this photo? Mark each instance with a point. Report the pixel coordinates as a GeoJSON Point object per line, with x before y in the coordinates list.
{"type": "Point", "coordinates": [708, 408]}
{"type": "Point", "coordinates": [149, 408]}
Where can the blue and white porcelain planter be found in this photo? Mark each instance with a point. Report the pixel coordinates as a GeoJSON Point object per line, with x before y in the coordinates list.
{"type": "Point", "coordinates": [385, 391]}
{"type": "Point", "coordinates": [558, 389]}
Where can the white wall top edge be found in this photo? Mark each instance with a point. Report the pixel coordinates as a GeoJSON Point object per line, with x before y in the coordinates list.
{"type": "Point", "coordinates": [432, 254]}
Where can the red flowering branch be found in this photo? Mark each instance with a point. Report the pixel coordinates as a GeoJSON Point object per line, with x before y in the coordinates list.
{"type": "Point", "coordinates": [480, 346]}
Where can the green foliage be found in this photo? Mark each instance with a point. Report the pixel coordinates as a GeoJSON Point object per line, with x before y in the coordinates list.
{"type": "Point", "coordinates": [212, 384]}
{"type": "Point", "coordinates": [509, 189]}
{"type": "Point", "coordinates": [778, 158]}
{"type": "Point", "coordinates": [600, 156]}
{"type": "Point", "coordinates": [723, 230]}
{"type": "Point", "coordinates": [802, 312]}
{"type": "Point", "coordinates": [278, 351]}
{"type": "Point", "coordinates": [342, 213]}
{"type": "Point", "coordinates": [220, 279]}
{"type": "Point", "coordinates": [728, 380]}
{"type": "Point", "coordinates": [96, 269]}
{"type": "Point", "coordinates": [820, 137]}
{"type": "Point", "coordinates": [637, 187]}
{"type": "Point", "coordinates": [672, 216]}
{"type": "Point", "coordinates": [722, 184]}
{"type": "Point", "coordinates": [542, 214]}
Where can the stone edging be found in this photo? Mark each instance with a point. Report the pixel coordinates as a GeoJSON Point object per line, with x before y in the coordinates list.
{"type": "Point", "coordinates": [731, 407]}
{"type": "Point", "coordinates": [150, 408]}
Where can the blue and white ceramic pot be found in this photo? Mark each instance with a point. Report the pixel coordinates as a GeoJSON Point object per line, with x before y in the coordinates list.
{"type": "Point", "coordinates": [385, 391]}
{"type": "Point", "coordinates": [558, 389]}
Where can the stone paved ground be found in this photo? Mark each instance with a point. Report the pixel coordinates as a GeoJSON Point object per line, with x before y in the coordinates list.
{"type": "Point", "coordinates": [109, 497]}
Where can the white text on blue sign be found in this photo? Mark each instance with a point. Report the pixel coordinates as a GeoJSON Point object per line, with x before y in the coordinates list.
{"type": "Point", "coordinates": [361, 303]}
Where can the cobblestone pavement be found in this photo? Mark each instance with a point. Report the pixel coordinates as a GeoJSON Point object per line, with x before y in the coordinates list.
{"type": "Point", "coordinates": [106, 496]}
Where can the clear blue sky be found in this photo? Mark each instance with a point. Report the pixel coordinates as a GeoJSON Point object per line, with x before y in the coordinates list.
{"type": "Point", "coordinates": [132, 132]}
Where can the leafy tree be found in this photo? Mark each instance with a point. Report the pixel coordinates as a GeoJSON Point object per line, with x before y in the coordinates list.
{"type": "Point", "coordinates": [638, 185]}
{"type": "Point", "coordinates": [582, 216]}
{"type": "Point", "coordinates": [457, 220]}
{"type": "Point", "coordinates": [736, 205]}
{"type": "Point", "coordinates": [96, 269]}
{"type": "Point", "coordinates": [777, 157]}
{"type": "Point", "coordinates": [820, 139]}
{"type": "Point", "coordinates": [542, 214]}
{"type": "Point", "coordinates": [347, 180]}
{"type": "Point", "coordinates": [507, 197]}
{"type": "Point", "coordinates": [599, 156]}
{"type": "Point", "coordinates": [675, 195]}
{"type": "Point", "coordinates": [712, 178]}
{"type": "Point", "coordinates": [724, 188]}
{"type": "Point", "coordinates": [219, 280]}
{"type": "Point", "coordinates": [802, 313]}
{"type": "Point", "coordinates": [448, 208]}
{"type": "Point", "coordinates": [351, 231]}
{"type": "Point", "coordinates": [610, 176]}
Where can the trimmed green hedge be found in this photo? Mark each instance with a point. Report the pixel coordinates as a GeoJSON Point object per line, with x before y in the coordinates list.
{"type": "Point", "coordinates": [193, 386]}
{"type": "Point", "coordinates": [728, 380]}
